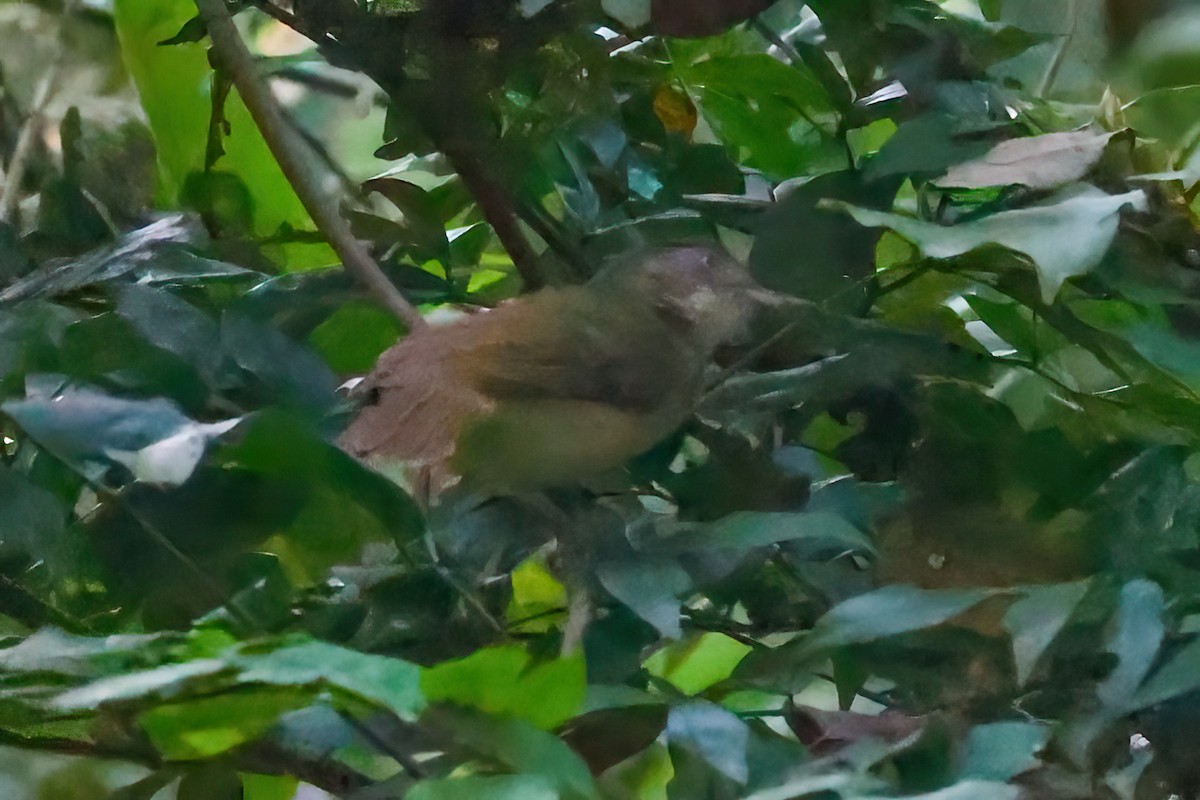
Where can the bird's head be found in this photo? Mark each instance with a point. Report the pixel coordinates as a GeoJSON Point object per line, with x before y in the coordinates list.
{"type": "Point", "coordinates": [695, 288]}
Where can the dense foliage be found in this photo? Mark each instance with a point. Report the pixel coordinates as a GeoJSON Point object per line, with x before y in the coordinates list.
{"type": "Point", "coordinates": [937, 534]}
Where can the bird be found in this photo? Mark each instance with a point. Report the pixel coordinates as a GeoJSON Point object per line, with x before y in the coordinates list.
{"type": "Point", "coordinates": [557, 386]}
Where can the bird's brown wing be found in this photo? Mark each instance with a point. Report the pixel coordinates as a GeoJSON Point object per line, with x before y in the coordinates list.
{"type": "Point", "coordinates": [413, 403]}
{"type": "Point", "coordinates": [566, 345]}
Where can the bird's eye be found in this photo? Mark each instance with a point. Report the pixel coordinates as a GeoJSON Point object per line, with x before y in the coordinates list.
{"type": "Point", "coordinates": [371, 397]}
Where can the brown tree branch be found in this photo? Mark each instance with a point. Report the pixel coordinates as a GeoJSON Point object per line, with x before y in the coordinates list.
{"type": "Point", "coordinates": [296, 161]}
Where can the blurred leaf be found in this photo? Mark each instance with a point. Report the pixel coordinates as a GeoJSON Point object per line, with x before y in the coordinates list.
{"type": "Point", "coordinates": [1000, 751]}
{"type": "Point", "coordinates": [1177, 676]}
{"type": "Point", "coordinates": [353, 336]}
{"type": "Point", "coordinates": [695, 665]}
{"type": "Point", "coordinates": [505, 681]}
{"type": "Point", "coordinates": [192, 335]}
{"type": "Point", "coordinates": [269, 787]}
{"type": "Point", "coordinates": [649, 587]}
{"type": "Point", "coordinates": [966, 790]}
{"type": "Point", "coordinates": [890, 611]}
{"type": "Point", "coordinates": [163, 681]}
{"type": "Point", "coordinates": [173, 84]}
{"type": "Point", "coordinates": [50, 650]}
{"type": "Point", "coordinates": [206, 727]}
{"type": "Point", "coordinates": [768, 109]}
{"type": "Point", "coordinates": [292, 372]}
{"type": "Point", "coordinates": [210, 782]}
{"type": "Point", "coordinates": [811, 252]}
{"type": "Point", "coordinates": [33, 525]}
{"type": "Point", "coordinates": [1038, 162]}
{"type": "Point", "coordinates": [815, 530]}
{"type": "Point", "coordinates": [714, 735]}
{"type": "Point", "coordinates": [1035, 619]}
{"type": "Point", "coordinates": [923, 146]}
{"type": "Point", "coordinates": [421, 221]}
{"type": "Point", "coordinates": [1065, 238]}
{"type": "Point", "coordinates": [524, 749]}
{"type": "Point", "coordinates": [89, 429]}
{"type": "Point", "coordinates": [146, 788]}
{"type": "Point", "coordinates": [1168, 114]}
{"type": "Point", "coordinates": [161, 252]}
{"type": "Point", "coordinates": [1135, 640]}
{"type": "Point", "coordinates": [538, 598]}
{"type": "Point", "coordinates": [494, 787]}
{"type": "Point", "coordinates": [392, 683]}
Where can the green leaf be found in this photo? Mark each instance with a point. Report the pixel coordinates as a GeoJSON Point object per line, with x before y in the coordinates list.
{"type": "Point", "coordinates": [160, 252]}
{"type": "Point", "coordinates": [194, 30]}
{"type": "Point", "coordinates": [524, 749]}
{"type": "Point", "coordinates": [505, 681]}
{"type": "Point", "coordinates": [694, 665]}
{"type": "Point", "coordinates": [192, 335]}
{"type": "Point", "coordinates": [538, 598]}
{"type": "Point", "coordinates": [204, 728]}
{"type": "Point", "coordinates": [766, 109]}
{"type": "Point", "coordinates": [269, 787]}
{"type": "Point", "coordinates": [890, 611]}
{"type": "Point", "coordinates": [809, 251]}
{"type": "Point", "coordinates": [966, 790]}
{"type": "Point", "coordinates": [292, 372]}
{"type": "Point", "coordinates": [391, 682]}
{"type": "Point", "coordinates": [174, 86]}
{"type": "Point", "coordinates": [650, 587]}
{"type": "Point", "coordinates": [33, 525]}
{"type": "Point", "coordinates": [999, 751]}
{"type": "Point", "coordinates": [210, 782]}
{"type": "Point", "coordinates": [88, 429]}
{"type": "Point", "coordinates": [495, 787]}
{"type": "Point", "coordinates": [1036, 618]}
{"type": "Point", "coordinates": [53, 651]}
{"type": "Point", "coordinates": [146, 788]}
{"type": "Point", "coordinates": [1137, 634]}
{"type": "Point", "coordinates": [714, 735]}
{"type": "Point", "coordinates": [1065, 237]}
{"type": "Point", "coordinates": [1178, 676]}
{"type": "Point", "coordinates": [353, 336]}
{"type": "Point", "coordinates": [165, 681]}
{"type": "Point", "coordinates": [818, 530]}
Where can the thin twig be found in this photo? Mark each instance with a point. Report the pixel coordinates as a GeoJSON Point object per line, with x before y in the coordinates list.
{"type": "Point", "coordinates": [320, 37]}
{"type": "Point", "coordinates": [296, 160]}
{"type": "Point", "coordinates": [497, 209]}
{"type": "Point", "coordinates": [31, 131]}
{"type": "Point", "coordinates": [1060, 55]}
{"type": "Point", "coordinates": [406, 762]}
